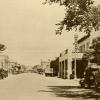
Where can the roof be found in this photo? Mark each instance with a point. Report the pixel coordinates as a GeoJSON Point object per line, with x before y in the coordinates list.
{"type": "Point", "coordinates": [83, 38]}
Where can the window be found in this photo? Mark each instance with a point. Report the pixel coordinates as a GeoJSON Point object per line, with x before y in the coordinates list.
{"type": "Point", "coordinates": [66, 51]}
{"type": "Point", "coordinates": [82, 48]}
{"type": "Point", "coordinates": [87, 45]}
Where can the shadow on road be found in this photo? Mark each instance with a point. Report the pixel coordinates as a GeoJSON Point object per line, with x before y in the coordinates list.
{"type": "Point", "coordinates": [73, 92]}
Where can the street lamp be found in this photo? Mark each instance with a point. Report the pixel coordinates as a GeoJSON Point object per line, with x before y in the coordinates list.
{"type": "Point", "coordinates": [75, 59]}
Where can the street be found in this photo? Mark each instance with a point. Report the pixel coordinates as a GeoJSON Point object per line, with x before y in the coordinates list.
{"type": "Point", "coordinates": [31, 86]}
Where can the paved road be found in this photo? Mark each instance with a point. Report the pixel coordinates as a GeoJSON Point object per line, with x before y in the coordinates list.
{"type": "Point", "coordinates": [30, 86]}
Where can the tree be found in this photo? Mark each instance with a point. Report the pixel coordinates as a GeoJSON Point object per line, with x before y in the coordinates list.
{"type": "Point", "coordinates": [2, 47]}
{"type": "Point", "coordinates": [80, 15]}
{"type": "Point", "coordinates": [93, 54]}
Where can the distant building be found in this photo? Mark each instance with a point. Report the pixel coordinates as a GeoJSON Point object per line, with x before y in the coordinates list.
{"type": "Point", "coordinates": [4, 61]}
{"type": "Point", "coordinates": [45, 64]}
{"type": "Point", "coordinates": [12, 64]}
{"type": "Point", "coordinates": [22, 68]}
{"type": "Point", "coordinates": [35, 68]}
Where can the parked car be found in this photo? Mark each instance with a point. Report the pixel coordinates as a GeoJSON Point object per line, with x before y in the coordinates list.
{"type": "Point", "coordinates": [40, 71]}
{"type": "Point", "coordinates": [91, 78]}
{"type": "Point", "coordinates": [48, 71]}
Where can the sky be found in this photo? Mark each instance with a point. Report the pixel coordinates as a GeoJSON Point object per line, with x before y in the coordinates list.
{"type": "Point", "coordinates": [27, 28]}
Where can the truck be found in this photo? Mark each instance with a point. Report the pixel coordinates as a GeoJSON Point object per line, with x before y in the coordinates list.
{"type": "Point", "coordinates": [48, 71]}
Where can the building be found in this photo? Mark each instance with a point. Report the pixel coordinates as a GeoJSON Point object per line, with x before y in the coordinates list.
{"type": "Point", "coordinates": [4, 61]}
{"type": "Point", "coordinates": [54, 64]}
{"type": "Point", "coordinates": [67, 59]}
{"type": "Point", "coordinates": [65, 64]}
{"type": "Point", "coordinates": [83, 43]}
{"type": "Point", "coordinates": [45, 64]}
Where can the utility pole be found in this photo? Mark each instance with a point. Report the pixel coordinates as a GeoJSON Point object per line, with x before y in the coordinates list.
{"type": "Point", "coordinates": [75, 59]}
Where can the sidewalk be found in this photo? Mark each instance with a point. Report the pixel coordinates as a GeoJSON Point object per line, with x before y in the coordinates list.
{"type": "Point", "coordinates": [63, 82]}
{"type": "Point", "coordinates": [68, 82]}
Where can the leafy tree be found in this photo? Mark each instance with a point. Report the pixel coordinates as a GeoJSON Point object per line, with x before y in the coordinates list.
{"type": "Point", "coordinates": [80, 15]}
{"type": "Point", "coordinates": [93, 54]}
{"type": "Point", "coordinates": [2, 47]}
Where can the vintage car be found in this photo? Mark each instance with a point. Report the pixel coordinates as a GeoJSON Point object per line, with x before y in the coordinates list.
{"type": "Point", "coordinates": [91, 77]}
{"type": "Point", "coordinates": [88, 78]}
